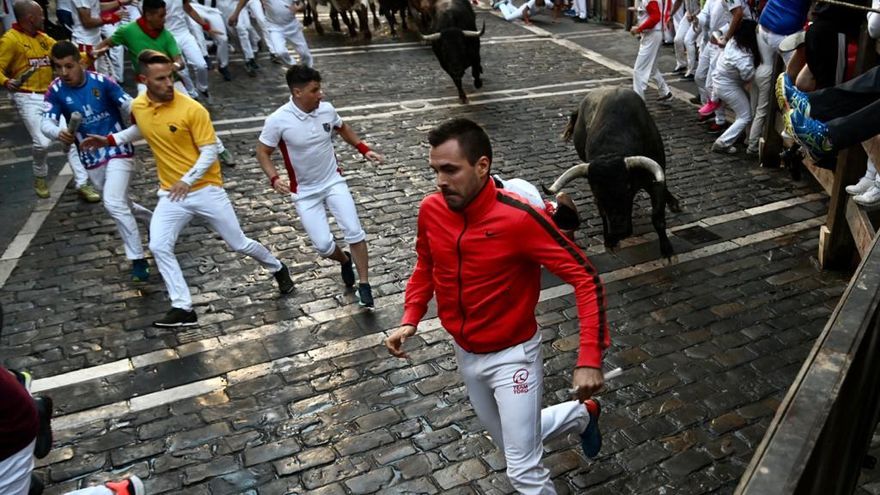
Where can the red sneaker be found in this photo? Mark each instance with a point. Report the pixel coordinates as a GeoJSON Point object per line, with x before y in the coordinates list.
{"type": "Point", "coordinates": [129, 486]}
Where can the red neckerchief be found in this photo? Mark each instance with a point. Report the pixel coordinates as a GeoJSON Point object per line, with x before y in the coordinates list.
{"type": "Point", "coordinates": [152, 33]}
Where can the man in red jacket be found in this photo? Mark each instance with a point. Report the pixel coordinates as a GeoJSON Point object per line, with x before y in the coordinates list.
{"type": "Point", "coordinates": [480, 251]}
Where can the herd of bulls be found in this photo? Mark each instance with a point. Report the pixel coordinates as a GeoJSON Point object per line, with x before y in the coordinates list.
{"type": "Point", "coordinates": [614, 133]}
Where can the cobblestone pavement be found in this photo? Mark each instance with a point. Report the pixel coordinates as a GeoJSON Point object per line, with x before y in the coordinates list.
{"type": "Point", "coordinates": [295, 394]}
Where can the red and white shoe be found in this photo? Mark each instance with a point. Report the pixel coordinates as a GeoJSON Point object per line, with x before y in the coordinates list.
{"type": "Point", "coordinates": [129, 486]}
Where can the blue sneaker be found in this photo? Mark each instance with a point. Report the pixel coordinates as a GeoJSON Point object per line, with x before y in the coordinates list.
{"type": "Point", "coordinates": [789, 97]}
{"type": "Point", "coordinates": [591, 438]}
{"type": "Point", "coordinates": [810, 133]}
{"type": "Point", "coordinates": [783, 83]}
{"type": "Point", "coordinates": [140, 270]}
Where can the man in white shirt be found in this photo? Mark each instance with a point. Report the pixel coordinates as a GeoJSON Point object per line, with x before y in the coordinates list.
{"type": "Point", "coordinates": [283, 27]}
{"type": "Point", "coordinates": [175, 22]}
{"type": "Point", "coordinates": [89, 19]}
{"type": "Point", "coordinates": [303, 130]}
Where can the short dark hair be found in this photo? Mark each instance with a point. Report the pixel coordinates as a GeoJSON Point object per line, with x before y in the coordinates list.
{"type": "Point", "coordinates": [472, 139]}
{"type": "Point", "coordinates": [150, 5]}
{"type": "Point", "coordinates": [64, 49]}
{"type": "Point", "coordinates": [300, 75]}
{"type": "Point", "coordinates": [149, 57]}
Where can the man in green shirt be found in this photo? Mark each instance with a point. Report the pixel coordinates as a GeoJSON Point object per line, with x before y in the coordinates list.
{"type": "Point", "coordinates": [149, 33]}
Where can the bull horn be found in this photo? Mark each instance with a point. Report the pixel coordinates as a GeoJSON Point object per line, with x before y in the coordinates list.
{"type": "Point", "coordinates": [647, 164]}
{"type": "Point", "coordinates": [474, 34]}
{"type": "Point", "coordinates": [569, 175]}
{"type": "Point", "coordinates": [430, 37]}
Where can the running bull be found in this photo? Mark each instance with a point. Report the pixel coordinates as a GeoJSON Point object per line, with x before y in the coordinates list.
{"type": "Point", "coordinates": [622, 151]}
{"type": "Point", "coordinates": [456, 41]}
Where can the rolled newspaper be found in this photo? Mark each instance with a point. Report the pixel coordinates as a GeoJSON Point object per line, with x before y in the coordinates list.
{"type": "Point", "coordinates": [608, 376]}
{"type": "Point", "coordinates": [26, 75]}
{"type": "Point", "coordinates": [72, 125]}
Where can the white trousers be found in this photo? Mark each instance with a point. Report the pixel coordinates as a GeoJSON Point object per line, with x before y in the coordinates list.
{"type": "Point", "coordinates": [116, 55]}
{"type": "Point", "coordinates": [112, 180]}
{"type": "Point", "coordinates": [192, 53]}
{"type": "Point", "coordinates": [512, 12]}
{"type": "Point", "coordinates": [646, 64]}
{"type": "Point", "coordinates": [211, 204]}
{"type": "Point", "coordinates": [768, 46]}
{"type": "Point", "coordinates": [30, 109]}
{"type": "Point", "coordinates": [313, 215]}
{"type": "Point", "coordinates": [685, 45]}
{"type": "Point", "coordinates": [581, 9]}
{"type": "Point", "coordinates": [293, 33]}
{"type": "Point", "coordinates": [505, 388]}
{"type": "Point", "coordinates": [705, 67]}
{"type": "Point", "coordinates": [218, 31]}
{"type": "Point", "coordinates": [734, 96]}
{"type": "Point", "coordinates": [255, 7]}
{"type": "Point", "coordinates": [15, 471]}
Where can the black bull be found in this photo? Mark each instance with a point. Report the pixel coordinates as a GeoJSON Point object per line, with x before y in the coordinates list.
{"type": "Point", "coordinates": [622, 151]}
{"type": "Point", "coordinates": [456, 41]}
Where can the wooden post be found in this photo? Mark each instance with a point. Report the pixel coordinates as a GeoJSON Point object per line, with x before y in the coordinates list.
{"type": "Point", "coordinates": [772, 145]}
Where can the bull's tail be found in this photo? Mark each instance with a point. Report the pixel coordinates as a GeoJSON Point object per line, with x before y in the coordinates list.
{"type": "Point", "coordinates": [569, 129]}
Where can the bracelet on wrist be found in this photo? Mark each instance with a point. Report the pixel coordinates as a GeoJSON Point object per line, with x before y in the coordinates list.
{"type": "Point", "coordinates": [273, 180]}
{"type": "Point", "coordinates": [362, 148]}
{"type": "Point", "coordinates": [111, 140]}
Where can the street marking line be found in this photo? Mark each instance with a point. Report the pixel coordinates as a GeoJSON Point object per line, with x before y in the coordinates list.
{"type": "Point", "coordinates": [429, 328]}
{"type": "Point", "coordinates": [25, 235]}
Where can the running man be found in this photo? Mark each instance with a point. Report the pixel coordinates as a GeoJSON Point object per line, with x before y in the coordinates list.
{"type": "Point", "coordinates": [480, 252]}
{"type": "Point", "coordinates": [101, 103]}
{"type": "Point", "coordinates": [303, 129]}
{"type": "Point", "coordinates": [25, 72]}
{"type": "Point", "coordinates": [282, 26]}
{"type": "Point", "coordinates": [179, 132]}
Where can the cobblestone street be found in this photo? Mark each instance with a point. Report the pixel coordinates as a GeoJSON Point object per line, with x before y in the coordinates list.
{"type": "Point", "coordinates": [297, 394]}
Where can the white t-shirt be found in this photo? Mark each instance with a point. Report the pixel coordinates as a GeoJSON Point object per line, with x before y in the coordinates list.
{"type": "Point", "coordinates": [80, 34]}
{"type": "Point", "coordinates": [305, 142]}
{"type": "Point", "coordinates": [175, 17]}
{"type": "Point", "coordinates": [279, 12]}
{"type": "Point", "coordinates": [65, 5]}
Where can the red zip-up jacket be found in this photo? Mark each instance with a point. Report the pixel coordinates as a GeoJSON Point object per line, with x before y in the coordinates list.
{"type": "Point", "coordinates": [484, 266]}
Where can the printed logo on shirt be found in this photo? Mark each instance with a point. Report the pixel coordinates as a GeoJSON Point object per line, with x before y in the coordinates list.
{"type": "Point", "coordinates": [97, 93]}
{"type": "Point", "coordinates": [520, 377]}
{"type": "Point", "coordinates": [326, 127]}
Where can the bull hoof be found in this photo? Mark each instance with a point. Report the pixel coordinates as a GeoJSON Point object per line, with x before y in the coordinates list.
{"type": "Point", "coordinates": [670, 260]}
{"type": "Point", "coordinates": [319, 28]}
{"type": "Point", "coordinates": [478, 83]}
{"type": "Point", "coordinates": [368, 35]}
{"type": "Point", "coordinates": [463, 100]}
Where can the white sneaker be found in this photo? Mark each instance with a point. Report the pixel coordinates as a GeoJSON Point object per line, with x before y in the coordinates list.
{"type": "Point", "coordinates": [869, 198]}
{"type": "Point", "coordinates": [724, 150]}
{"type": "Point", "coordinates": [860, 187]}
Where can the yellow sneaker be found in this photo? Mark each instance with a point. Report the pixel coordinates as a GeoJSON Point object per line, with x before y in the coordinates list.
{"type": "Point", "coordinates": [88, 194]}
{"type": "Point", "coordinates": [40, 187]}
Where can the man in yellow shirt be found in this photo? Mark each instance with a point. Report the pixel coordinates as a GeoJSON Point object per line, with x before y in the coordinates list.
{"type": "Point", "coordinates": [25, 71]}
{"type": "Point", "coordinates": [179, 132]}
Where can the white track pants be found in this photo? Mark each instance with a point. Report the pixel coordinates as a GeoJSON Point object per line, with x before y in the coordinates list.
{"type": "Point", "coordinates": [734, 96]}
{"type": "Point", "coordinates": [313, 215]}
{"type": "Point", "coordinates": [293, 33]}
{"type": "Point", "coordinates": [112, 180]}
{"type": "Point", "coordinates": [192, 52]}
{"type": "Point", "coordinates": [255, 7]}
{"type": "Point", "coordinates": [30, 109]}
{"type": "Point", "coordinates": [505, 389]}
{"type": "Point", "coordinates": [580, 8]}
{"type": "Point", "coordinates": [768, 45]}
{"type": "Point", "coordinates": [511, 12]}
{"type": "Point", "coordinates": [646, 64]}
{"type": "Point", "coordinates": [211, 204]}
{"type": "Point", "coordinates": [15, 471]}
{"type": "Point", "coordinates": [685, 45]}
{"type": "Point", "coordinates": [116, 55]}
{"type": "Point", "coordinates": [706, 66]}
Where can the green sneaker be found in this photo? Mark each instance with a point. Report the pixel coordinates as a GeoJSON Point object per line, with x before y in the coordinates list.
{"type": "Point", "coordinates": [226, 158]}
{"type": "Point", "coordinates": [40, 187]}
{"type": "Point", "coordinates": [88, 194]}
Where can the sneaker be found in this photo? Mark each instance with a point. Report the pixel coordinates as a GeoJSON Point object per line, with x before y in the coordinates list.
{"type": "Point", "coordinates": [689, 77]}
{"type": "Point", "coordinates": [569, 13]}
{"type": "Point", "coordinates": [140, 270]}
{"type": "Point", "coordinates": [724, 150]}
{"type": "Point", "coordinates": [704, 118]}
{"type": "Point", "coordinates": [753, 150]}
{"type": "Point", "coordinates": [365, 295]}
{"type": "Point", "coordinates": [224, 71]}
{"type": "Point", "coordinates": [24, 378]}
{"type": "Point", "coordinates": [581, 20]}
{"type": "Point", "coordinates": [41, 187]}
{"type": "Point", "coordinates": [696, 100]}
{"type": "Point", "coordinates": [282, 276]}
{"type": "Point", "coordinates": [43, 442]}
{"type": "Point", "coordinates": [679, 69]}
{"type": "Point", "coordinates": [37, 486]}
{"type": "Point", "coordinates": [347, 271]}
{"type": "Point", "coordinates": [860, 187]}
{"type": "Point", "coordinates": [665, 97]}
{"type": "Point", "coordinates": [784, 87]}
{"type": "Point", "coordinates": [129, 486]}
{"type": "Point", "coordinates": [869, 198]}
{"type": "Point", "coordinates": [88, 194]}
{"type": "Point", "coordinates": [591, 438]}
{"type": "Point", "coordinates": [205, 97]}
{"type": "Point", "coordinates": [178, 317]}
{"type": "Point", "coordinates": [226, 158]}
{"type": "Point", "coordinates": [710, 107]}
{"type": "Point", "coordinates": [275, 59]}
{"type": "Point", "coordinates": [812, 134]}
{"type": "Point", "coordinates": [250, 68]}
